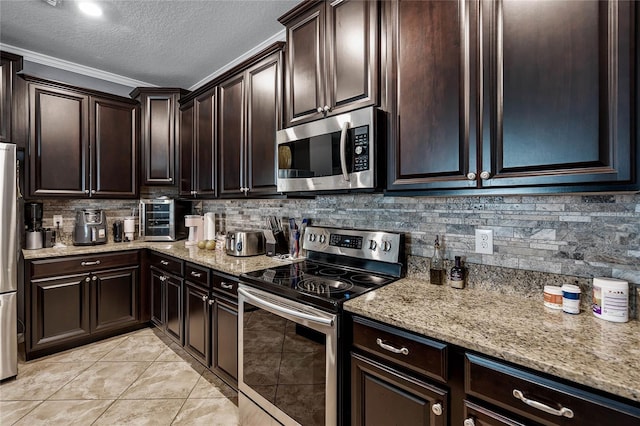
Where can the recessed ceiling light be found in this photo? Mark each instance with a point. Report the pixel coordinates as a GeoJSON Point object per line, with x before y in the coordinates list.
{"type": "Point", "coordinates": [90, 9]}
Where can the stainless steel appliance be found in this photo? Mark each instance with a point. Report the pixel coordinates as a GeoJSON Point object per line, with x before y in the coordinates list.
{"type": "Point", "coordinates": [244, 243]}
{"type": "Point", "coordinates": [8, 262]}
{"type": "Point", "coordinates": [162, 219]}
{"type": "Point", "coordinates": [34, 239]}
{"type": "Point", "coordinates": [291, 361]}
{"type": "Point", "coordinates": [90, 228]}
{"type": "Point", "coordinates": [336, 153]}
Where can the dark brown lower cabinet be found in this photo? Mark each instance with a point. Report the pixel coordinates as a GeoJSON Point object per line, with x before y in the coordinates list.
{"type": "Point", "coordinates": [173, 307]}
{"type": "Point", "coordinates": [74, 300]}
{"type": "Point", "coordinates": [157, 279]}
{"type": "Point", "coordinates": [196, 322]}
{"type": "Point", "coordinates": [477, 415]}
{"type": "Point", "coordinates": [382, 395]}
{"type": "Point", "coordinates": [225, 347]}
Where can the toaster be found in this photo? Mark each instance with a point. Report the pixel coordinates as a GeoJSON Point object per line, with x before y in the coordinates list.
{"type": "Point", "coordinates": [90, 227]}
{"type": "Point", "coordinates": [244, 243]}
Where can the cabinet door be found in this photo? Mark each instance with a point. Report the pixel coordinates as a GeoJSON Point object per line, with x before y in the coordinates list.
{"type": "Point", "coordinates": [196, 322]}
{"type": "Point", "coordinates": [225, 321]}
{"type": "Point", "coordinates": [114, 131]}
{"type": "Point", "coordinates": [59, 142]}
{"type": "Point", "coordinates": [157, 297]}
{"type": "Point", "coordinates": [557, 97]}
{"type": "Point", "coordinates": [351, 55]}
{"type": "Point", "coordinates": [59, 309]}
{"type": "Point", "coordinates": [158, 138]}
{"type": "Point", "coordinates": [186, 151]}
{"type": "Point", "coordinates": [231, 138]}
{"type": "Point", "coordinates": [382, 396]}
{"type": "Point", "coordinates": [173, 308]}
{"type": "Point", "coordinates": [205, 145]}
{"type": "Point", "coordinates": [8, 67]}
{"type": "Point", "coordinates": [263, 121]}
{"type": "Point", "coordinates": [430, 78]}
{"type": "Point", "coordinates": [305, 66]}
{"type": "Point", "coordinates": [115, 296]}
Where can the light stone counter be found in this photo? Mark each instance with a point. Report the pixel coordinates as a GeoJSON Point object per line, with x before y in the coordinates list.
{"type": "Point", "coordinates": [213, 259]}
{"type": "Point", "coordinates": [580, 348]}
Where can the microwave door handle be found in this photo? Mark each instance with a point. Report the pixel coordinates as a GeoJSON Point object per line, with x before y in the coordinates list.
{"type": "Point", "coordinates": [281, 308]}
{"type": "Point", "coordinates": [343, 149]}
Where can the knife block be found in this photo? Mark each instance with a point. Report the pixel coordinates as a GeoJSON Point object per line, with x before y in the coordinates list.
{"type": "Point", "coordinates": [277, 245]}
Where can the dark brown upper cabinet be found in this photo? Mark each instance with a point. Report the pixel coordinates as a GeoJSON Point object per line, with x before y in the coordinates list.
{"type": "Point", "coordinates": [10, 64]}
{"type": "Point", "coordinates": [249, 117]}
{"type": "Point", "coordinates": [332, 58]}
{"type": "Point", "coordinates": [81, 144]}
{"type": "Point", "coordinates": [159, 133]}
{"type": "Point", "coordinates": [506, 95]}
{"type": "Point", "coordinates": [198, 146]}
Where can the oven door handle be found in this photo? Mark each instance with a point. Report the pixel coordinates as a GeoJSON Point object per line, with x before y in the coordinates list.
{"type": "Point", "coordinates": [343, 151]}
{"type": "Point", "coordinates": [280, 308]}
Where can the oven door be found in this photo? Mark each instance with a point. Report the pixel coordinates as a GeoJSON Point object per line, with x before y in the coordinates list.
{"type": "Point", "coordinates": [287, 354]}
{"type": "Point", "coordinates": [335, 153]}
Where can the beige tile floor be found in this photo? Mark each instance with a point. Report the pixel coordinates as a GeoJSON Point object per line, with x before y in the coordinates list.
{"type": "Point", "coordinates": [140, 378]}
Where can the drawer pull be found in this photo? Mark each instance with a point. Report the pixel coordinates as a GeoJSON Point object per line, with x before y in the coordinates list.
{"type": "Point", "coordinates": [97, 262]}
{"type": "Point", "coordinates": [469, 422]}
{"type": "Point", "coordinates": [562, 412]}
{"type": "Point", "coordinates": [164, 262]}
{"type": "Point", "coordinates": [226, 286]}
{"type": "Point", "coordinates": [211, 302]}
{"type": "Point", "coordinates": [437, 409]}
{"type": "Point", "coordinates": [205, 298]}
{"type": "Point", "coordinates": [403, 351]}
{"type": "Point", "coordinates": [196, 274]}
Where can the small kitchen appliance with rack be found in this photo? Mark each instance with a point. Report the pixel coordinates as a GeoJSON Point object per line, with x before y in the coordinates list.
{"type": "Point", "coordinates": [290, 352]}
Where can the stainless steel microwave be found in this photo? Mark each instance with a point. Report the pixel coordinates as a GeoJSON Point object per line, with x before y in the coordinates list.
{"type": "Point", "coordinates": [333, 154]}
{"type": "Point", "coordinates": [162, 219]}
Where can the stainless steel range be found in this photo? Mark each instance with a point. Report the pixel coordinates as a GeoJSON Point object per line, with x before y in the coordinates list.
{"type": "Point", "coordinates": [289, 336]}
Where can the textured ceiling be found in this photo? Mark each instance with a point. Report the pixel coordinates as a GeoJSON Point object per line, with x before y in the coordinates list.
{"type": "Point", "coordinates": [171, 43]}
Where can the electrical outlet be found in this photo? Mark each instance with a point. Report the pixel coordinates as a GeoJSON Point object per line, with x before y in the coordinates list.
{"type": "Point", "coordinates": [484, 241]}
{"type": "Point", "coordinates": [57, 220]}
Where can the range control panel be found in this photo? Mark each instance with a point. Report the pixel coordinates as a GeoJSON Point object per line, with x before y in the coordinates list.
{"type": "Point", "coordinates": [361, 149]}
{"type": "Point", "coordinates": [374, 245]}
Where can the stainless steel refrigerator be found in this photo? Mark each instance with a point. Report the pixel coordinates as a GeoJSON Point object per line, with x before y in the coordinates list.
{"type": "Point", "coordinates": [8, 262]}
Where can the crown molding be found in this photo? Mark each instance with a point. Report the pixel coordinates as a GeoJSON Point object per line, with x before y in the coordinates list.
{"type": "Point", "coordinates": [50, 61]}
{"type": "Point", "coordinates": [279, 36]}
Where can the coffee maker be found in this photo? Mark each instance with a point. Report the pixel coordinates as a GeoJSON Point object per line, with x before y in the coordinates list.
{"type": "Point", "coordinates": [33, 225]}
{"type": "Point", "coordinates": [195, 223]}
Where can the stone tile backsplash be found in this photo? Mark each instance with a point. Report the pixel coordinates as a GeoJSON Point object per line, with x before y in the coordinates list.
{"type": "Point", "coordinates": [575, 237]}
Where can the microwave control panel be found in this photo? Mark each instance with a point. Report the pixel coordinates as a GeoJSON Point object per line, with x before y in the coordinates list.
{"type": "Point", "coordinates": [361, 149]}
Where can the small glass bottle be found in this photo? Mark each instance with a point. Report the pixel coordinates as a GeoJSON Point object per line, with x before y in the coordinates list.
{"type": "Point", "coordinates": [436, 272]}
{"type": "Point", "coordinates": [457, 275]}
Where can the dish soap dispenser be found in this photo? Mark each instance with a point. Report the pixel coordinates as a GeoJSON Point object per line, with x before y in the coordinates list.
{"type": "Point", "coordinates": [457, 275]}
{"type": "Point", "coordinates": [436, 272]}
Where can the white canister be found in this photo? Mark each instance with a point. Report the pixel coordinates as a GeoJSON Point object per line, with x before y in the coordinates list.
{"type": "Point", "coordinates": [129, 228]}
{"type": "Point", "coordinates": [553, 296]}
{"type": "Point", "coordinates": [571, 299]}
{"type": "Point", "coordinates": [611, 299]}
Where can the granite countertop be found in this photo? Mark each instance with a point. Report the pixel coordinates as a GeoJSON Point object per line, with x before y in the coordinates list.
{"type": "Point", "coordinates": [580, 348]}
{"type": "Point", "coordinates": [213, 259]}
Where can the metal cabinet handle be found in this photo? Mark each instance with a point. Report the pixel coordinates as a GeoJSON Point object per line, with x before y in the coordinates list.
{"type": "Point", "coordinates": [226, 286]}
{"type": "Point", "coordinates": [469, 422]}
{"type": "Point", "coordinates": [94, 278]}
{"type": "Point", "coordinates": [163, 278]}
{"type": "Point", "coordinates": [196, 274]}
{"type": "Point", "coordinates": [403, 350]}
{"type": "Point", "coordinates": [211, 302]}
{"type": "Point", "coordinates": [437, 409]}
{"type": "Point", "coordinates": [86, 191]}
{"type": "Point", "coordinates": [485, 175]}
{"type": "Point", "coordinates": [326, 108]}
{"type": "Point", "coordinates": [471, 176]}
{"type": "Point", "coordinates": [93, 191]}
{"type": "Point", "coordinates": [204, 298]}
{"type": "Point", "coordinates": [562, 412]}
{"type": "Point", "coordinates": [87, 279]}
{"type": "Point", "coordinates": [320, 110]}
{"type": "Point", "coordinates": [164, 262]}
{"type": "Point", "coordinates": [97, 262]}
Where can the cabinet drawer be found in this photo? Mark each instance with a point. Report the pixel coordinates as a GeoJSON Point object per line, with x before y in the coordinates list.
{"type": "Point", "coordinates": [86, 263]}
{"type": "Point", "coordinates": [197, 274]}
{"type": "Point", "coordinates": [477, 415]}
{"type": "Point", "coordinates": [167, 263]}
{"type": "Point", "coordinates": [531, 396]}
{"type": "Point", "coordinates": [226, 285]}
{"type": "Point", "coordinates": [418, 353]}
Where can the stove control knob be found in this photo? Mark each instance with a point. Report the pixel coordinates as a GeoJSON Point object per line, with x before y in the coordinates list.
{"type": "Point", "coordinates": [386, 246]}
{"type": "Point", "coordinates": [312, 237]}
{"type": "Point", "coordinates": [373, 245]}
{"type": "Point", "coordinates": [323, 238]}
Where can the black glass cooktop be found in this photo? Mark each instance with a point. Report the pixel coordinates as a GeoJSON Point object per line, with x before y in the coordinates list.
{"type": "Point", "coordinates": [316, 283]}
